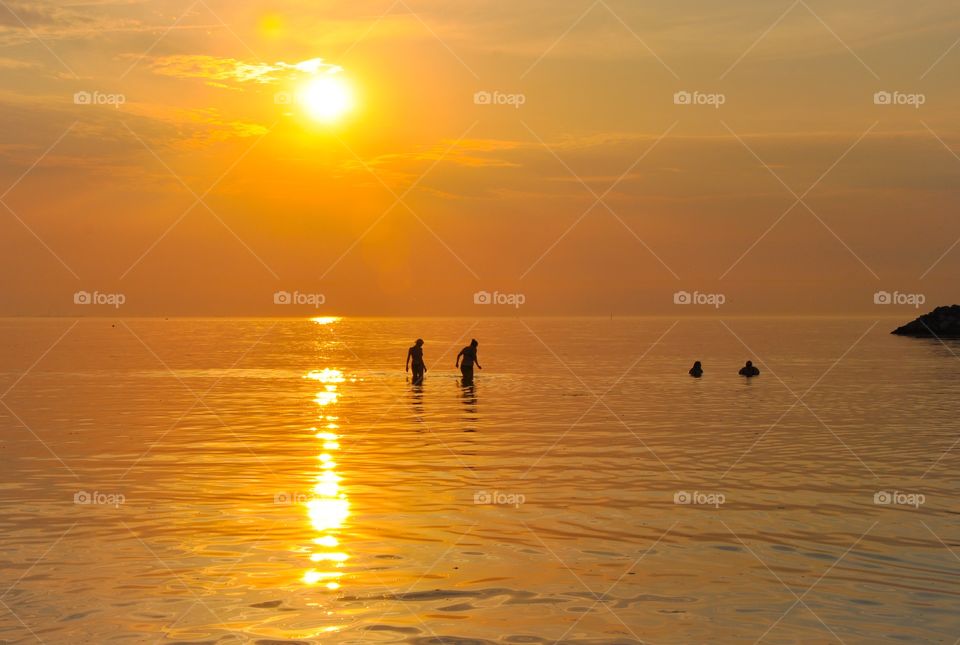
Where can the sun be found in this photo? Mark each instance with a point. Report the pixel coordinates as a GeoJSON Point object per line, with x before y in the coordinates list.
{"type": "Point", "coordinates": [326, 99]}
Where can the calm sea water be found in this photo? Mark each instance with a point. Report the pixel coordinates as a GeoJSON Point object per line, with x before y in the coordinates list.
{"type": "Point", "coordinates": [228, 481]}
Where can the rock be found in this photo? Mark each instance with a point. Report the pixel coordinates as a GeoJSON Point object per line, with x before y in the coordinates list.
{"type": "Point", "coordinates": [942, 322]}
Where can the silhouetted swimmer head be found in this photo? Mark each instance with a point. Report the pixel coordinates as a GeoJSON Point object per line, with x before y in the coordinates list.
{"type": "Point", "coordinates": [419, 342]}
{"type": "Point", "coordinates": [696, 370]}
{"type": "Point", "coordinates": [474, 343]}
{"type": "Point", "coordinates": [749, 370]}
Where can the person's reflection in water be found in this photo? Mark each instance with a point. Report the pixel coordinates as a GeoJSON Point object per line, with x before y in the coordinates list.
{"type": "Point", "coordinates": [415, 354]}
{"type": "Point", "coordinates": [466, 360]}
{"type": "Point", "coordinates": [468, 392]}
{"type": "Point", "coordinates": [416, 402]}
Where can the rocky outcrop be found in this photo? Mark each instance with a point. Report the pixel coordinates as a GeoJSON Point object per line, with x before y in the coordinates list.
{"type": "Point", "coordinates": [942, 322]}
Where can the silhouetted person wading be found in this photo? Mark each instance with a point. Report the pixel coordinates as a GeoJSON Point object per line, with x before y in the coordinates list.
{"type": "Point", "coordinates": [749, 370]}
{"type": "Point", "coordinates": [415, 354]}
{"type": "Point", "coordinates": [697, 370]}
{"type": "Point", "coordinates": [466, 360]}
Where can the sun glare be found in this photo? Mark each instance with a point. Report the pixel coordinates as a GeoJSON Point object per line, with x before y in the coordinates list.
{"type": "Point", "coordinates": [326, 99]}
{"type": "Point", "coordinates": [325, 320]}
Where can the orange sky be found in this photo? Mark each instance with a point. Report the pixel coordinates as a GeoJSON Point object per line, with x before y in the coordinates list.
{"type": "Point", "coordinates": [583, 185]}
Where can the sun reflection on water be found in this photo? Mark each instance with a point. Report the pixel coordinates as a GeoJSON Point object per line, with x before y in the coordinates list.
{"type": "Point", "coordinates": [326, 375]}
{"type": "Point", "coordinates": [330, 379]}
{"type": "Point", "coordinates": [328, 508]}
{"type": "Point", "coordinates": [325, 320]}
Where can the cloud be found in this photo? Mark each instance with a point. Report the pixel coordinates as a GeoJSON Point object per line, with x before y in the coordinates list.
{"type": "Point", "coordinates": [469, 152]}
{"type": "Point", "coordinates": [218, 72]}
{"type": "Point", "coordinates": [191, 128]}
{"type": "Point", "coordinates": [16, 63]}
{"type": "Point", "coordinates": [23, 22]}
{"type": "Point", "coordinates": [682, 169]}
{"type": "Point", "coordinates": [16, 14]}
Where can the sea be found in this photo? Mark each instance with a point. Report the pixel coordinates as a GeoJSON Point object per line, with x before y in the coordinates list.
{"type": "Point", "coordinates": [282, 481]}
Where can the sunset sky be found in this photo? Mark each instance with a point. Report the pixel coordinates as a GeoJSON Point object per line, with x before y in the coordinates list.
{"type": "Point", "coordinates": [198, 180]}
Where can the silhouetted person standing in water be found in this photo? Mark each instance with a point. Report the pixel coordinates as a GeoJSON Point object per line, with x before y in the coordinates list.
{"type": "Point", "coordinates": [696, 371]}
{"type": "Point", "coordinates": [749, 370]}
{"type": "Point", "coordinates": [468, 356]}
{"type": "Point", "coordinates": [415, 353]}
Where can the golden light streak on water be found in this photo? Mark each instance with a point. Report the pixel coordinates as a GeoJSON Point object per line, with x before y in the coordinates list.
{"type": "Point", "coordinates": [329, 508]}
